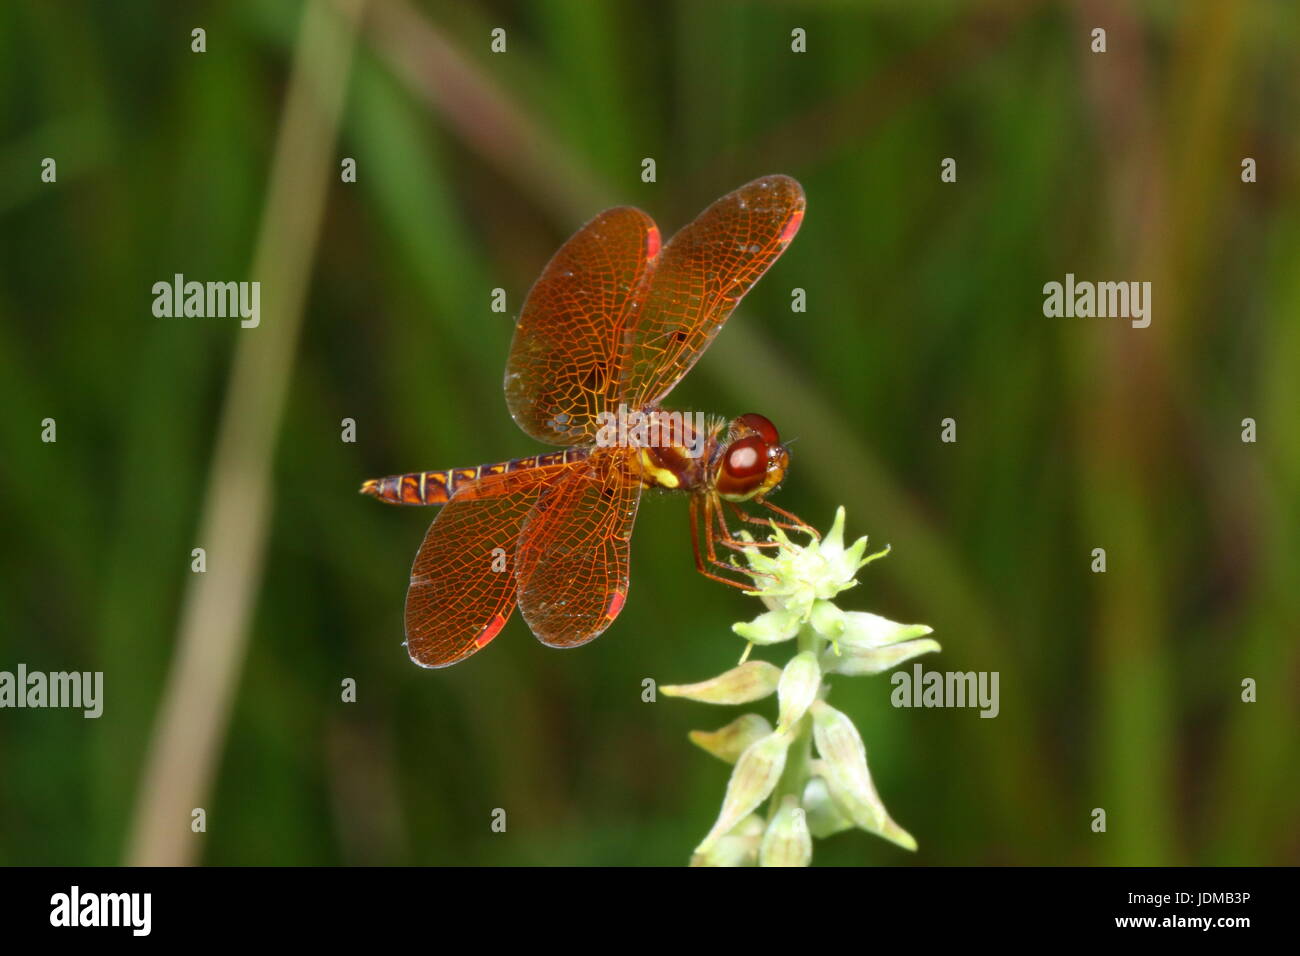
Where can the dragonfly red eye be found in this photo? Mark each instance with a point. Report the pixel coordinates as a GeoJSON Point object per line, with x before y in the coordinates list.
{"type": "Point", "coordinates": [761, 425]}
{"type": "Point", "coordinates": [746, 458]}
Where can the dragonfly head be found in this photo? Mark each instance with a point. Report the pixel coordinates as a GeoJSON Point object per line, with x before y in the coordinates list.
{"type": "Point", "coordinates": [753, 461]}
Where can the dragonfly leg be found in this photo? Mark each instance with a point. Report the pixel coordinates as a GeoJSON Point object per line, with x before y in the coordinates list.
{"type": "Point", "coordinates": [699, 560]}
{"type": "Point", "coordinates": [794, 524]}
{"type": "Point", "coordinates": [739, 544]}
{"type": "Point", "coordinates": [712, 508]}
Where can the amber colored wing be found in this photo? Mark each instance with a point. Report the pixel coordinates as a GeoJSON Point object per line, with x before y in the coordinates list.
{"type": "Point", "coordinates": [462, 587]}
{"type": "Point", "coordinates": [699, 277]}
{"type": "Point", "coordinates": [573, 563]}
{"type": "Point", "coordinates": [561, 359]}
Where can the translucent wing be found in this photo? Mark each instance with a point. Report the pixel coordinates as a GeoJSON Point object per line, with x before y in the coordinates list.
{"type": "Point", "coordinates": [573, 564]}
{"type": "Point", "coordinates": [561, 360]}
{"type": "Point", "coordinates": [463, 582]}
{"type": "Point", "coordinates": [699, 277]}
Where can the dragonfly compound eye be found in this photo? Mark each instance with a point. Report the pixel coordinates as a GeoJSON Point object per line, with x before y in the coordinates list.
{"type": "Point", "coordinates": [766, 430]}
{"type": "Point", "coordinates": [746, 458]}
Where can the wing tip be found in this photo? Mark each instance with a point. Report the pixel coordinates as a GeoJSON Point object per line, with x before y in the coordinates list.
{"type": "Point", "coordinates": [428, 664]}
{"type": "Point", "coordinates": [778, 180]}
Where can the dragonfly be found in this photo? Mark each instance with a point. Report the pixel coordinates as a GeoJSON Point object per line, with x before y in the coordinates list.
{"type": "Point", "coordinates": [613, 323]}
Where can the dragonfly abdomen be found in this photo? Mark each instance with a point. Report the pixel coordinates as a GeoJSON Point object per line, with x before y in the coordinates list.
{"type": "Point", "coordinates": [437, 487]}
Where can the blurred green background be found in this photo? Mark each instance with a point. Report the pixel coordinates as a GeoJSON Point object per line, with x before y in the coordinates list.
{"type": "Point", "coordinates": [1118, 690]}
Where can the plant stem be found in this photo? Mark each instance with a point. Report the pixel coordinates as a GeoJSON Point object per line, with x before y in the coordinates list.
{"type": "Point", "coordinates": [798, 759]}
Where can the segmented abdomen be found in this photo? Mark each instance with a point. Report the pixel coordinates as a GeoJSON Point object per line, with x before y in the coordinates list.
{"type": "Point", "coordinates": [437, 487]}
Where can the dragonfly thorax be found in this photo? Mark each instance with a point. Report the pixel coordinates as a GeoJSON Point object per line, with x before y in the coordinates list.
{"type": "Point", "coordinates": [676, 450]}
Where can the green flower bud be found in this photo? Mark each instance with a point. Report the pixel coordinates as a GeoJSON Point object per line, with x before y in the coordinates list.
{"type": "Point", "coordinates": [787, 841]}
{"type": "Point", "coordinates": [771, 627]}
{"type": "Point", "coordinates": [853, 661]}
{"type": "Point", "coordinates": [825, 818]}
{"type": "Point", "coordinates": [729, 742]}
{"type": "Point", "coordinates": [737, 848]}
{"type": "Point", "coordinates": [752, 780]}
{"type": "Point", "coordinates": [850, 559]}
{"type": "Point", "coordinates": [844, 758]}
{"type": "Point", "coordinates": [871, 630]}
{"type": "Point", "coordinates": [827, 620]}
{"type": "Point", "coordinates": [833, 542]}
{"type": "Point", "coordinates": [751, 681]}
{"type": "Point", "coordinates": [800, 681]}
{"type": "Point", "coordinates": [796, 576]}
